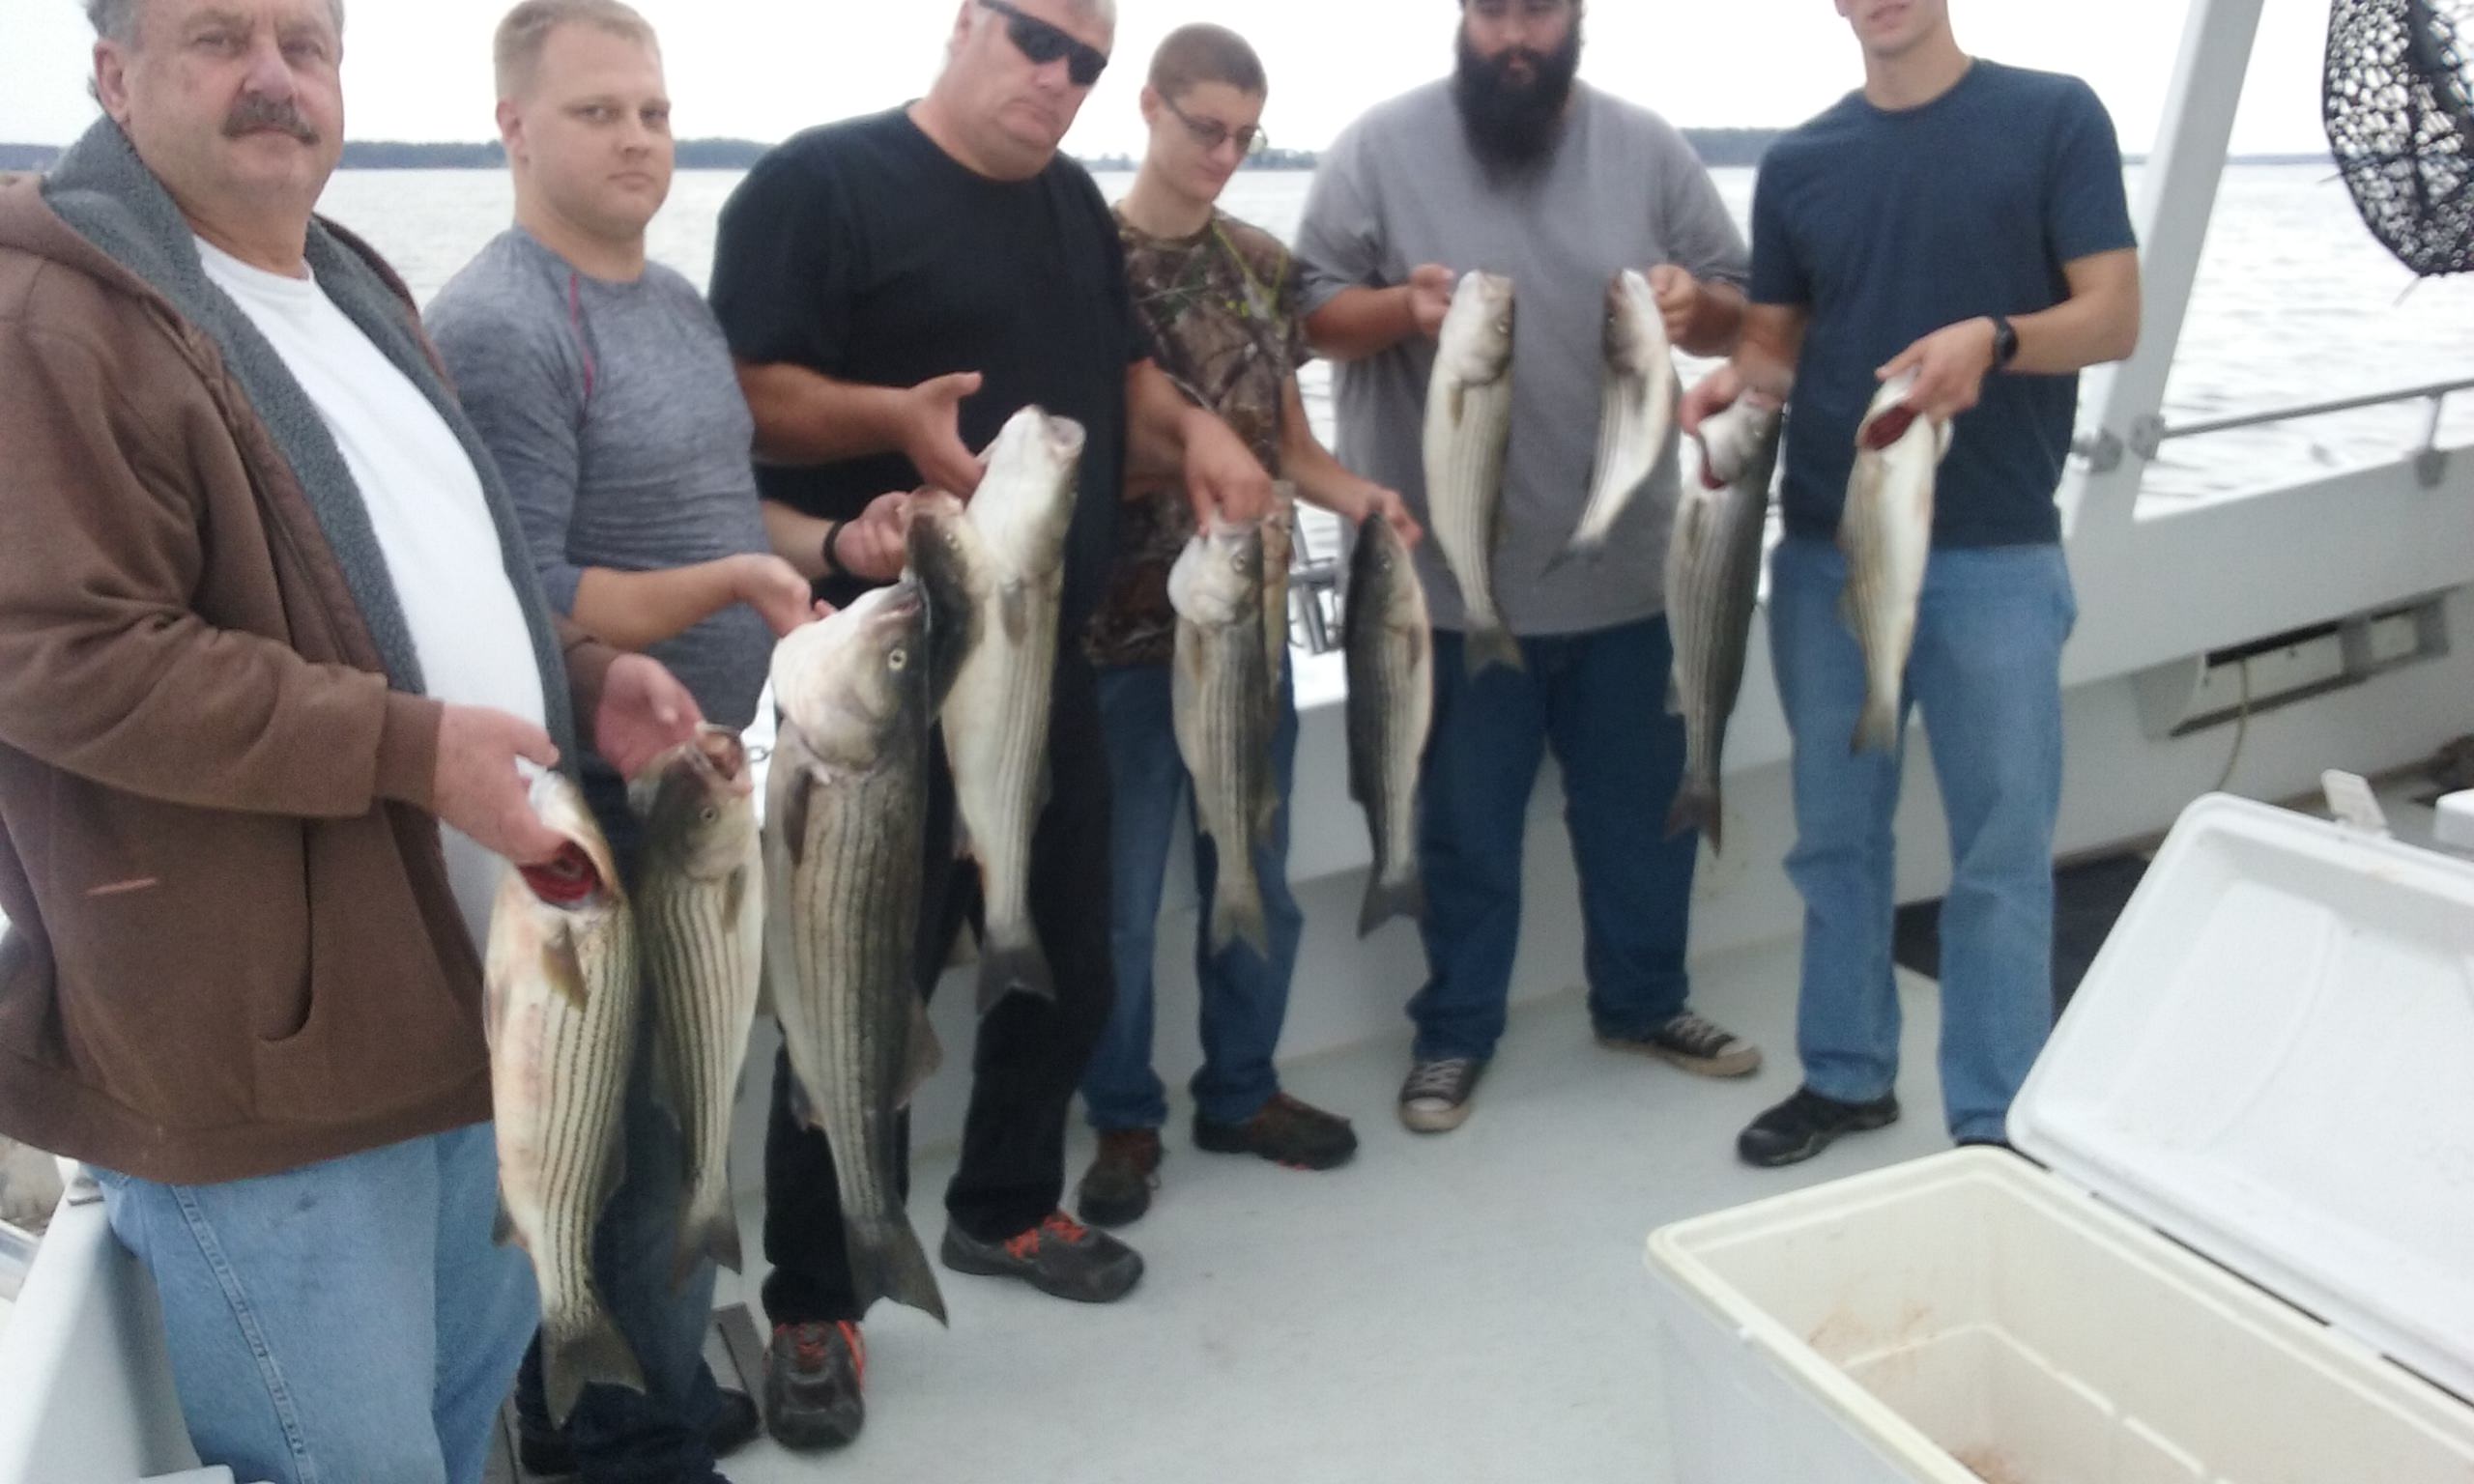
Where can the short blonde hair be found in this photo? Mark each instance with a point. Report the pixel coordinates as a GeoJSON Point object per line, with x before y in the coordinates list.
{"type": "Point", "coordinates": [527, 28]}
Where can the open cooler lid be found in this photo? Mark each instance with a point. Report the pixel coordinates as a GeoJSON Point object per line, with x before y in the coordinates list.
{"type": "Point", "coordinates": [2272, 1061]}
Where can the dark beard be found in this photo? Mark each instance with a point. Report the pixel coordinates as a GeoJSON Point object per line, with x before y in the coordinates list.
{"type": "Point", "coordinates": [1513, 125]}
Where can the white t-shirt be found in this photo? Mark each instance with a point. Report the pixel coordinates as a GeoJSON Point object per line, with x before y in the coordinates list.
{"type": "Point", "coordinates": [426, 503]}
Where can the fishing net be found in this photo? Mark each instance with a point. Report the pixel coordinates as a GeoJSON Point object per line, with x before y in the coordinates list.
{"type": "Point", "coordinates": [2400, 123]}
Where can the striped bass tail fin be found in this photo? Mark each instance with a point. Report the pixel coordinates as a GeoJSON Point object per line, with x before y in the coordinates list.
{"type": "Point", "coordinates": [1014, 964]}
{"type": "Point", "coordinates": [1237, 915]}
{"type": "Point", "coordinates": [570, 1362]}
{"type": "Point", "coordinates": [887, 1261]}
{"type": "Point", "coordinates": [1492, 646]}
{"type": "Point", "coordinates": [1696, 808]}
{"type": "Point", "coordinates": [1877, 728]}
{"type": "Point", "coordinates": [1388, 899]}
{"type": "Point", "coordinates": [1581, 548]}
{"type": "Point", "coordinates": [709, 1233]}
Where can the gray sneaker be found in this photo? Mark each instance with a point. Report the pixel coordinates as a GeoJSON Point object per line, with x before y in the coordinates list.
{"type": "Point", "coordinates": [1694, 1045]}
{"type": "Point", "coordinates": [1435, 1099]}
{"type": "Point", "coordinates": [1060, 1256]}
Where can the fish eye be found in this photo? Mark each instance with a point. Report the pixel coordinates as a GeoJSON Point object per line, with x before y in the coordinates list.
{"type": "Point", "coordinates": [896, 659]}
{"type": "Point", "coordinates": [708, 814]}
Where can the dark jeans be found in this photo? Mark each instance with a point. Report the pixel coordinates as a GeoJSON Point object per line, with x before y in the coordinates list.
{"type": "Point", "coordinates": [1244, 994]}
{"type": "Point", "coordinates": [660, 1435]}
{"type": "Point", "coordinates": [1600, 701]}
{"type": "Point", "coordinates": [1029, 1055]}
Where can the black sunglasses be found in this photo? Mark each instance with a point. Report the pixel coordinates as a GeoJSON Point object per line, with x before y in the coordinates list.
{"type": "Point", "coordinates": [1044, 44]}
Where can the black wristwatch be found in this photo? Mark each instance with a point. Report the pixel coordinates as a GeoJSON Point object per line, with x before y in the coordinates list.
{"type": "Point", "coordinates": [833, 566]}
{"type": "Point", "coordinates": [2005, 343]}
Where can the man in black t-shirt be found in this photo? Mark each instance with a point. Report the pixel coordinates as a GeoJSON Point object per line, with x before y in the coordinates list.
{"type": "Point", "coordinates": [894, 288]}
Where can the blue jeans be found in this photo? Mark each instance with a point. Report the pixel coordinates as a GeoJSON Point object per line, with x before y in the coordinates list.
{"type": "Point", "coordinates": [1600, 701]}
{"type": "Point", "coordinates": [660, 1434]}
{"type": "Point", "coordinates": [1245, 995]}
{"type": "Point", "coordinates": [345, 1323]}
{"type": "Point", "coordinates": [1986, 672]}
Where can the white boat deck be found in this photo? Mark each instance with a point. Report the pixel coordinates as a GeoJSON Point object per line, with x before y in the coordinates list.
{"type": "Point", "coordinates": [1467, 1307]}
{"type": "Point", "coordinates": [1454, 1310]}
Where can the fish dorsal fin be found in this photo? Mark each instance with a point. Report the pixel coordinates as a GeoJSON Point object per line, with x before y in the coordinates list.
{"type": "Point", "coordinates": [562, 967]}
{"type": "Point", "coordinates": [794, 814]}
{"type": "Point", "coordinates": [765, 970]}
{"type": "Point", "coordinates": [614, 1159]}
{"type": "Point", "coordinates": [734, 894]}
{"type": "Point", "coordinates": [1014, 608]}
{"type": "Point", "coordinates": [922, 1055]}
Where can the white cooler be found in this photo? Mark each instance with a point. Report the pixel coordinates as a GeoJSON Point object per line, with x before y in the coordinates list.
{"type": "Point", "coordinates": [2248, 1257]}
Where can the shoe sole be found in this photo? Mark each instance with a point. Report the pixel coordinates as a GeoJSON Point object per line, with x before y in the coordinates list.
{"type": "Point", "coordinates": [797, 1440]}
{"type": "Point", "coordinates": [1741, 1063]}
{"type": "Point", "coordinates": [1438, 1121]}
{"type": "Point", "coordinates": [1867, 1123]}
{"type": "Point", "coordinates": [984, 1267]}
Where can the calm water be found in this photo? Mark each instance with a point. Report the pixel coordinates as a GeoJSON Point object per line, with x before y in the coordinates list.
{"type": "Point", "coordinates": [2295, 302]}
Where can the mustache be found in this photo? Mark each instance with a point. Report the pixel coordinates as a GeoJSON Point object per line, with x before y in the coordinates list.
{"type": "Point", "coordinates": [253, 113]}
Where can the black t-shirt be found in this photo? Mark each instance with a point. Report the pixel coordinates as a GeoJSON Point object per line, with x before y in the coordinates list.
{"type": "Point", "coordinates": [863, 251]}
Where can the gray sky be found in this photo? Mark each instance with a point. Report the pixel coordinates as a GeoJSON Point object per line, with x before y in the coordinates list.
{"type": "Point", "coordinates": [420, 71]}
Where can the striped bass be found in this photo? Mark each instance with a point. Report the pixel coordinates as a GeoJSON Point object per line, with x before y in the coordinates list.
{"type": "Point", "coordinates": [845, 829]}
{"type": "Point", "coordinates": [699, 911]}
{"type": "Point", "coordinates": [1636, 410]}
{"type": "Point", "coordinates": [1390, 650]}
{"type": "Point", "coordinates": [1221, 685]}
{"type": "Point", "coordinates": [996, 718]}
{"type": "Point", "coordinates": [1468, 424]}
{"type": "Point", "coordinates": [1886, 533]}
{"type": "Point", "coordinates": [562, 986]}
{"type": "Point", "coordinates": [1713, 584]}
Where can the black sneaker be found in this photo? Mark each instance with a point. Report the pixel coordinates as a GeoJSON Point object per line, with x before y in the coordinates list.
{"type": "Point", "coordinates": [1806, 1124]}
{"type": "Point", "coordinates": [812, 1379]}
{"type": "Point", "coordinates": [1284, 1131]}
{"type": "Point", "coordinates": [1435, 1099]}
{"type": "Point", "coordinates": [1060, 1257]}
{"type": "Point", "coordinates": [1117, 1187]}
{"type": "Point", "coordinates": [545, 1453]}
{"type": "Point", "coordinates": [1694, 1045]}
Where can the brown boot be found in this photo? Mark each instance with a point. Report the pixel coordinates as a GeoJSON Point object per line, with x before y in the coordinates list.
{"type": "Point", "coordinates": [1117, 1187]}
{"type": "Point", "coordinates": [1285, 1132]}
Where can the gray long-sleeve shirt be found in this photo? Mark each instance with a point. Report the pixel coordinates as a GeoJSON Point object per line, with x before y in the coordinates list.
{"type": "Point", "coordinates": [613, 412]}
{"type": "Point", "coordinates": [1623, 189]}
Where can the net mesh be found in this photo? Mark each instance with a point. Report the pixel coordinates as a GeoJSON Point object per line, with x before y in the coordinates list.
{"type": "Point", "coordinates": [2401, 125]}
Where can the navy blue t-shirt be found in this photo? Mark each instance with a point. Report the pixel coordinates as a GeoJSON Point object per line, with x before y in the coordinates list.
{"type": "Point", "coordinates": [1887, 226]}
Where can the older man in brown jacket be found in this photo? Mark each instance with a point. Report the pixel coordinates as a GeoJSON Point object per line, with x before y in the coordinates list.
{"type": "Point", "coordinates": [271, 650]}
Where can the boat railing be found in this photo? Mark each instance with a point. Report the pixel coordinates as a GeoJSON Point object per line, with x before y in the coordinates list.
{"type": "Point", "coordinates": [2105, 449]}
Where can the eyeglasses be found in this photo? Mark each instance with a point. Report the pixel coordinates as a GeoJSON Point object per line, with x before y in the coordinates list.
{"type": "Point", "coordinates": [1211, 133]}
{"type": "Point", "coordinates": [1043, 43]}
